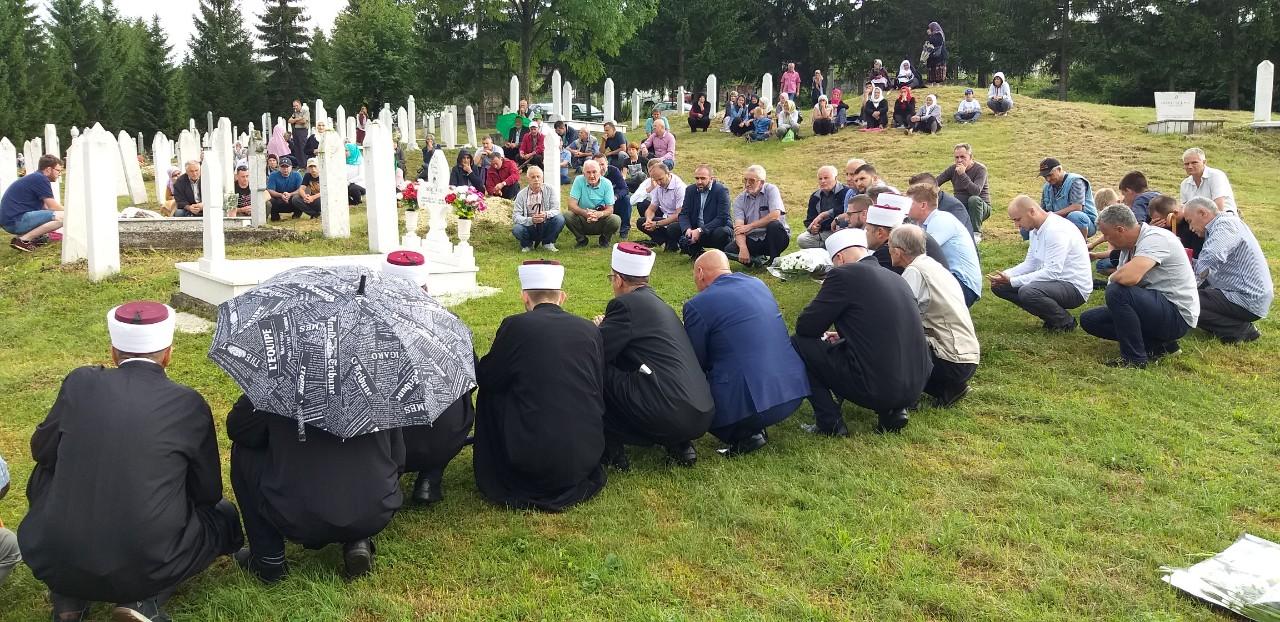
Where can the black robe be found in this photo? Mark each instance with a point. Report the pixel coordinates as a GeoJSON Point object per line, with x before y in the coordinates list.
{"type": "Point", "coordinates": [122, 497]}
{"type": "Point", "coordinates": [539, 435]}
{"type": "Point", "coordinates": [318, 491]}
{"type": "Point", "coordinates": [672, 404]}
{"type": "Point", "coordinates": [883, 357]}
{"type": "Point", "coordinates": [430, 448]}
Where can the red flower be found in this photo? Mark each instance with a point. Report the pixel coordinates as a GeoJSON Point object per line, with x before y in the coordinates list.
{"type": "Point", "coordinates": [410, 192]}
{"type": "Point", "coordinates": [450, 198]}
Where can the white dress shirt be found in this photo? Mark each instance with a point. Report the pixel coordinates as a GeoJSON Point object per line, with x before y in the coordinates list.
{"type": "Point", "coordinates": [1057, 253]}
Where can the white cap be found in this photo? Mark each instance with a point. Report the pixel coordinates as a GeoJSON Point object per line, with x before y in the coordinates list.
{"type": "Point", "coordinates": [889, 211]}
{"type": "Point", "coordinates": [408, 265]}
{"type": "Point", "coordinates": [845, 238]}
{"type": "Point", "coordinates": [632, 259]}
{"type": "Point", "coordinates": [141, 327]}
{"type": "Point", "coordinates": [541, 274]}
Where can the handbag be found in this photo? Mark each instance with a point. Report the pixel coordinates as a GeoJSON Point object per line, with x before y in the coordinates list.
{"type": "Point", "coordinates": [926, 52]}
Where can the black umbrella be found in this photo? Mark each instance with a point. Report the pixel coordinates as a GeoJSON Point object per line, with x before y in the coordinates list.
{"type": "Point", "coordinates": [344, 349]}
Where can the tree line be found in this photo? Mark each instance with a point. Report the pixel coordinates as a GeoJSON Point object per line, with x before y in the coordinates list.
{"type": "Point", "coordinates": [87, 64]}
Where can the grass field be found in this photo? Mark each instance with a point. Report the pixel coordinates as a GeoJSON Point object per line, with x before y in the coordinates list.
{"type": "Point", "coordinates": [1053, 492]}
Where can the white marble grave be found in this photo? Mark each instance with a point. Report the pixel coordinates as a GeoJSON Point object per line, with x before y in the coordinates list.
{"type": "Point", "coordinates": [130, 169]}
{"type": "Point", "coordinates": [51, 147]}
{"type": "Point", "coordinates": [161, 159]}
{"type": "Point", "coordinates": [412, 109]}
{"type": "Point", "coordinates": [556, 93]}
{"type": "Point", "coordinates": [75, 219]}
{"type": "Point", "coordinates": [9, 173]}
{"type": "Point", "coordinates": [101, 156]}
{"type": "Point", "coordinates": [609, 100]}
{"type": "Point", "coordinates": [713, 88]}
{"type": "Point", "coordinates": [471, 127]}
{"type": "Point", "coordinates": [335, 214]}
{"type": "Point", "coordinates": [566, 102]}
{"type": "Point", "coordinates": [1262, 96]}
{"type": "Point", "coordinates": [766, 91]}
{"type": "Point", "coordinates": [340, 125]}
{"type": "Point", "coordinates": [513, 94]}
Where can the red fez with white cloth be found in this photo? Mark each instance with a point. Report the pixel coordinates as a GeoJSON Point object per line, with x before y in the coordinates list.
{"type": "Point", "coordinates": [633, 259]}
{"type": "Point", "coordinates": [890, 210]}
{"type": "Point", "coordinates": [408, 265]}
{"type": "Point", "coordinates": [141, 327]}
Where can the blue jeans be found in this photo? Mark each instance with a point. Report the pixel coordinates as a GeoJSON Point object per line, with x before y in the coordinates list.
{"type": "Point", "coordinates": [671, 164]}
{"type": "Point", "coordinates": [545, 233]}
{"type": "Point", "coordinates": [1105, 265]}
{"type": "Point", "coordinates": [973, 116]}
{"type": "Point", "coordinates": [564, 175]}
{"type": "Point", "coordinates": [622, 207]}
{"type": "Point", "coordinates": [30, 220]}
{"type": "Point", "coordinates": [1142, 320]}
{"type": "Point", "coordinates": [1078, 218]}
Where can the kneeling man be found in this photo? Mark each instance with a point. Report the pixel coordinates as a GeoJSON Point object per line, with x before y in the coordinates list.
{"type": "Point", "coordinates": [877, 357]}
{"type": "Point", "coordinates": [126, 495]}
{"type": "Point", "coordinates": [655, 392]}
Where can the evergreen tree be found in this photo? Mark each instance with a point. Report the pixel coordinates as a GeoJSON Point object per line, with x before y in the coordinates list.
{"type": "Point", "coordinates": [321, 68]}
{"type": "Point", "coordinates": [77, 57]}
{"type": "Point", "coordinates": [118, 50]}
{"type": "Point", "coordinates": [283, 46]}
{"type": "Point", "coordinates": [149, 82]}
{"type": "Point", "coordinates": [23, 50]}
{"type": "Point", "coordinates": [221, 75]}
{"type": "Point", "coordinates": [178, 100]}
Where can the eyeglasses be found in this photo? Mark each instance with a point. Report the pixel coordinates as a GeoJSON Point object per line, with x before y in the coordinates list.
{"type": "Point", "coordinates": [609, 277]}
{"type": "Point", "coordinates": [748, 180]}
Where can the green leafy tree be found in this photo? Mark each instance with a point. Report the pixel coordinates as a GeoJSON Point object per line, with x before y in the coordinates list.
{"type": "Point", "coordinates": [320, 69]}
{"type": "Point", "coordinates": [373, 51]}
{"type": "Point", "coordinates": [221, 74]}
{"type": "Point", "coordinates": [283, 48]}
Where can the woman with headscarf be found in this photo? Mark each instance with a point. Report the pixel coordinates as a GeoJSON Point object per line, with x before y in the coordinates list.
{"type": "Point", "coordinates": [999, 97]}
{"type": "Point", "coordinates": [841, 108]}
{"type": "Point", "coordinates": [935, 53]}
{"type": "Point", "coordinates": [788, 117]}
{"type": "Point", "coordinates": [355, 179]}
{"type": "Point", "coordinates": [906, 75]}
{"type": "Point", "coordinates": [466, 172]}
{"type": "Point", "coordinates": [170, 204]}
{"type": "Point", "coordinates": [699, 113]}
{"type": "Point", "coordinates": [929, 119]}
{"type": "Point", "coordinates": [278, 146]}
{"type": "Point", "coordinates": [879, 76]}
{"type": "Point", "coordinates": [730, 110]}
{"type": "Point", "coordinates": [904, 108]}
{"type": "Point", "coordinates": [817, 86]}
{"type": "Point", "coordinates": [741, 118]}
{"type": "Point", "coordinates": [824, 117]}
{"type": "Point", "coordinates": [875, 112]}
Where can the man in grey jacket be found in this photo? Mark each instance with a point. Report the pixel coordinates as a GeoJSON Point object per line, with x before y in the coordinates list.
{"type": "Point", "coordinates": [968, 179]}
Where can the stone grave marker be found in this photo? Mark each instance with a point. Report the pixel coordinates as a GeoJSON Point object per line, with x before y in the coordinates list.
{"type": "Point", "coordinates": [335, 214]}
{"type": "Point", "coordinates": [609, 100]}
{"type": "Point", "coordinates": [102, 234]}
{"type": "Point", "coordinates": [380, 197]}
{"type": "Point", "coordinates": [131, 170]}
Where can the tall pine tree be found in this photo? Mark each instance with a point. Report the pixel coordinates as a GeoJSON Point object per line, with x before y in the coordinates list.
{"type": "Point", "coordinates": [23, 50]}
{"type": "Point", "coordinates": [77, 59]}
{"type": "Point", "coordinates": [148, 82]}
{"type": "Point", "coordinates": [283, 44]}
{"type": "Point", "coordinates": [221, 74]}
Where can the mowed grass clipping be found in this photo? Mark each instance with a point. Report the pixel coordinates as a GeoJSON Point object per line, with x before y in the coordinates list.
{"type": "Point", "coordinates": [1053, 492]}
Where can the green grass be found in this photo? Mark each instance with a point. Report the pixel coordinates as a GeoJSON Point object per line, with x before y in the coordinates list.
{"type": "Point", "coordinates": [1053, 492]}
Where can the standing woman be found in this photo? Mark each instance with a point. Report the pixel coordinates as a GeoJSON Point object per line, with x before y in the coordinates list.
{"type": "Point", "coordinates": [935, 45]}
{"type": "Point", "coordinates": [362, 123]}
{"type": "Point", "coordinates": [817, 88]}
{"type": "Point", "coordinates": [904, 108]}
{"type": "Point", "coordinates": [699, 114]}
{"type": "Point", "coordinates": [875, 113]}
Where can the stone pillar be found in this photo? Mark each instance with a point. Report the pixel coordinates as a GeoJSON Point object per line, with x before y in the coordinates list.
{"type": "Point", "coordinates": [142, 145]}
{"type": "Point", "coordinates": [215, 249]}
{"type": "Point", "coordinates": [471, 128]}
{"type": "Point", "coordinates": [224, 142]}
{"type": "Point", "coordinates": [52, 147]}
{"type": "Point", "coordinates": [713, 99]}
{"type": "Point", "coordinates": [766, 91]}
{"type": "Point", "coordinates": [679, 105]}
{"type": "Point", "coordinates": [412, 109]}
{"type": "Point", "coordinates": [402, 124]}
{"type": "Point", "coordinates": [320, 115]}
{"type": "Point", "coordinates": [551, 166]}
{"type": "Point", "coordinates": [75, 131]}
{"type": "Point", "coordinates": [335, 214]}
{"type": "Point", "coordinates": [351, 130]}
{"type": "Point", "coordinates": [433, 193]}
{"type": "Point", "coordinates": [8, 156]}
{"type": "Point", "coordinates": [340, 125]}
{"type": "Point", "coordinates": [380, 183]}
{"type": "Point", "coordinates": [191, 125]}
{"type": "Point", "coordinates": [208, 115]}
{"type": "Point", "coordinates": [258, 184]}
{"type": "Point", "coordinates": [75, 217]}
{"type": "Point", "coordinates": [132, 172]}
{"type": "Point", "coordinates": [450, 129]}
{"type": "Point", "coordinates": [609, 100]}
{"type": "Point", "coordinates": [188, 148]}
{"type": "Point", "coordinates": [566, 102]}
{"type": "Point", "coordinates": [556, 104]}
{"type": "Point", "coordinates": [31, 152]}
{"type": "Point", "coordinates": [431, 126]}
{"type": "Point", "coordinates": [1263, 93]}
{"type": "Point", "coordinates": [266, 127]}
{"type": "Point", "coordinates": [101, 157]}
{"type": "Point", "coordinates": [513, 95]}
{"type": "Point", "coordinates": [161, 160]}
{"type": "Point", "coordinates": [635, 110]}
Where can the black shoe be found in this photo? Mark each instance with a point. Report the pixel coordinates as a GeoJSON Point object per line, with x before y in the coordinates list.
{"type": "Point", "coordinates": [269, 574]}
{"type": "Point", "coordinates": [141, 611]}
{"type": "Point", "coordinates": [949, 400]}
{"type": "Point", "coordinates": [1067, 328]}
{"type": "Point", "coordinates": [41, 241]}
{"type": "Point", "coordinates": [604, 241]}
{"type": "Point", "coordinates": [1168, 349]}
{"type": "Point", "coordinates": [1252, 335]}
{"type": "Point", "coordinates": [357, 558]}
{"type": "Point", "coordinates": [426, 491]}
{"type": "Point", "coordinates": [892, 420]}
{"type": "Point", "coordinates": [682, 454]}
{"type": "Point", "coordinates": [581, 243]}
{"type": "Point", "coordinates": [746, 445]}
{"type": "Point", "coordinates": [1099, 285]}
{"type": "Point", "coordinates": [1125, 363]}
{"type": "Point", "coordinates": [297, 215]}
{"type": "Point", "coordinates": [840, 430]}
{"type": "Point", "coordinates": [275, 218]}
{"type": "Point", "coordinates": [616, 456]}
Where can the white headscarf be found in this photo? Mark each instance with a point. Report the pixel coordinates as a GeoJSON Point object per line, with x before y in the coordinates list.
{"type": "Point", "coordinates": [904, 70]}
{"type": "Point", "coordinates": [877, 95]}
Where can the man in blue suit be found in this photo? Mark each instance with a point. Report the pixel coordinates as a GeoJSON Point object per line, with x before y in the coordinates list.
{"type": "Point", "coordinates": [704, 217]}
{"type": "Point", "coordinates": [756, 377]}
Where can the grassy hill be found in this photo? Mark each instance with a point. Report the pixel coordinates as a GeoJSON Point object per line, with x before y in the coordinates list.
{"type": "Point", "coordinates": [1053, 492]}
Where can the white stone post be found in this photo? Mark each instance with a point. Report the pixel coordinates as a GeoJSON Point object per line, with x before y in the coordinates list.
{"type": "Point", "coordinates": [321, 113]}
{"type": "Point", "coordinates": [132, 172]}
{"type": "Point", "coordinates": [412, 109]}
{"type": "Point", "coordinates": [102, 165]}
{"type": "Point", "coordinates": [188, 148]}
{"type": "Point", "coordinates": [351, 130]}
{"type": "Point", "coordinates": [226, 146]}
{"type": "Point", "coordinates": [266, 127]}
{"type": "Point", "coordinates": [551, 165]}
{"type": "Point", "coordinates": [556, 93]}
{"type": "Point", "coordinates": [513, 94]}
{"type": "Point", "coordinates": [1264, 91]}
{"type": "Point", "coordinates": [191, 125]}
{"type": "Point", "coordinates": [431, 127]}
{"type": "Point", "coordinates": [51, 147]}
{"type": "Point", "coordinates": [402, 124]}
{"type": "Point", "coordinates": [566, 102]}
{"type": "Point", "coordinates": [471, 128]}
{"type": "Point", "coordinates": [335, 214]}
{"type": "Point", "coordinates": [75, 217]}
{"type": "Point", "coordinates": [31, 152]}
{"type": "Point", "coordinates": [609, 100]}
{"type": "Point", "coordinates": [258, 184]}
{"type": "Point", "coordinates": [215, 249]}
{"type": "Point", "coordinates": [635, 110]}
{"type": "Point", "coordinates": [340, 124]}
{"type": "Point", "coordinates": [8, 159]}
{"type": "Point", "coordinates": [161, 160]}
{"type": "Point", "coordinates": [713, 99]}
{"type": "Point", "coordinates": [381, 189]}
{"type": "Point", "coordinates": [433, 193]}
{"type": "Point", "coordinates": [679, 104]}
{"type": "Point", "coordinates": [451, 128]}
{"type": "Point", "coordinates": [766, 91]}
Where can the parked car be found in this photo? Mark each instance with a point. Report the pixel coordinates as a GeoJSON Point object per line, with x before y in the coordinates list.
{"type": "Point", "coordinates": [669, 107]}
{"type": "Point", "coordinates": [583, 112]}
{"type": "Point", "coordinates": [541, 110]}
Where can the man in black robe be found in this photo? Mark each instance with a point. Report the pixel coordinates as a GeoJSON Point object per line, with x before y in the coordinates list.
{"type": "Point", "coordinates": [889, 211]}
{"type": "Point", "coordinates": [315, 491]}
{"type": "Point", "coordinates": [655, 391]}
{"type": "Point", "coordinates": [877, 357]}
{"type": "Point", "coordinates": [539, 435]}
{"type": "Point", "coordinates": [126, 496]}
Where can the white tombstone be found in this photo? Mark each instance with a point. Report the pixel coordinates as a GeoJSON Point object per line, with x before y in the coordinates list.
{"type": "Point", "coordinates": [766, 91]}
{"type": "Point", "coordinates": [402, 123]}
{"type": "Point", "coordinates": [266, 126]}
{"type": "Point", "coordinates": [101, 157]}
{"type": "Point", "coordinates": [1263, 93]}
{"type": "Point", "coordinates": [307, 109]}
{"type": "Point", "coordinates": [132, 171]}
{"type": "Point", "coordinates": [75, 218]}
{"type": "Point", "coordinates": [608, 100]}
{"type": "Point", "coordinates": [321, 113]}
{"type": "Point", "coordinates": [566, 102]}
{"type": "Point", "coordinates": [712, 91]}
{"type": "Point", "coordinates": [191, 125]}
{"type": "Point", "coordinates": [8, 164]}
{"type": "Point", "coordinates": [450, 129]}
{"type": "Point", "coordinates": [208, 115]}
{"type": "Point", "coordinates": [1175, 106]}
{"type": "Point", "coordinates": [257, 184]}
{"type": "Point", "coordinates": [31, 152]}
{"type": "Point", "coordinates": [551, 166]}
{"type": "Point", "coordinates": [226, 150]}
{"type": "Point", "coordinates": [513, 94]}
{"type": "Point", "coordinates": [380, 184]}
{"type": "Point", "coordinates": [340, 124]}
{"type": "Point", "coordinates": [471, 127]}
{"type": "Point", "coordinates": [679, 103]}
{"type": "Point", "coordinates": [51, 146]}
{"type": "Point", "coordinates": [335, 214]}
{"type": "Point", "coordinates": [412, 109]}
{"type": "Point", "coordinates": [433, 193]}
{"type": "Point", "coordinates": [161, 160]}
{"type": "Point", "coordinates": [556, 104]}
{"type": "Point", "coordinates": [635, 109]}
{"type": "Point", "coordinates": [142, 145]}
{"type": "Point", "coordinates": [188, 148]}
{"type": "Point", "coordinates": [215, 243]}
{"type": "Point", "coordinates": [431, 125]}
{"type": "Point", "coordinates": [75, 131]}
{"type": "Point", "coordinates": [351, 129]}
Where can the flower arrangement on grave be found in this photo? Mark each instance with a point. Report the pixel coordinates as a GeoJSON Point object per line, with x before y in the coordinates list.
{"type": "Point", "coordinates": [409, 198]}
{"type": "Point", "coordinates": [466, 201]}
{"type": "Point", "coordinates": [811, 262]}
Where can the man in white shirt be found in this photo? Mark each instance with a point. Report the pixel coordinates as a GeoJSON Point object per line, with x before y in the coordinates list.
{"type": "Point", "coordinates": [1235, 279]}
{"type": "Point", "coordinates": [1056, 274]}
{"type": "Point", "coordinates": [1203, 181]}
{"type": "Point", "coordinates": [660, 219]}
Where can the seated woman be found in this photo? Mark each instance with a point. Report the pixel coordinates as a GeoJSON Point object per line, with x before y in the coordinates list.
{"type": "Point", "coordinates": [841, 108]}
{"type": "Point", "coordinates": [466, 173]}
{"type": "Point", "coordinates": [742, 118]}
{"type": "Point", "coordinates": [788, 117]}
{"type": "Point", "coordinates": [999, 97]}
{"type": "Point", "coordinates": [355, 179]}
{"type": "Point", "coordinates": [699, 114]}
{"type": "Point", "coordinates": [637, 167]}
{"type": "Point", "coordinates": [730, 110]}
{"type": "Point", "coordinates": [754, 102]}
{"type": "Point", "coordinates": [824, 117]}
{"type": "Point", "coordinates": [875, 112]}
{"type": "Point", "coordinates": [929, 118]}
{"type": "Point", "coordinates": [904, 108]}
{"type": "Point", "coordinates": [879, 76]}
{"type": "Point", "coordinates": [906, 76]}
{"type": "Point", "coordinates": [761, 126]}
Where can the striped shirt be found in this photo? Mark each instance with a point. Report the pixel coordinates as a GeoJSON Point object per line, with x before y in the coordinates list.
{"type": "Point", "coordinates": [4, 473]}
{"type": "Point", "coordinates": [1232, 261]}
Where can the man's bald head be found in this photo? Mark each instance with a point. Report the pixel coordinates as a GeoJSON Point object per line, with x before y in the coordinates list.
{"type": "Point", "coordinates": [1026, 213]}
{"type": "Point", "coordinates": [710, 266]}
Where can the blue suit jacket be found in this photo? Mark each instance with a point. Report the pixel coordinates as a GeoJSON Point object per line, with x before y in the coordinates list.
{"type": "Point", "coordinates": [742, 343]}
{"type": "Point", "coordinates": [714, 216]}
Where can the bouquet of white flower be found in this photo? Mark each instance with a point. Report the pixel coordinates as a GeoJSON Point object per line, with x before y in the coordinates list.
{"type": "Point", "coordinates": [810, 262]}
